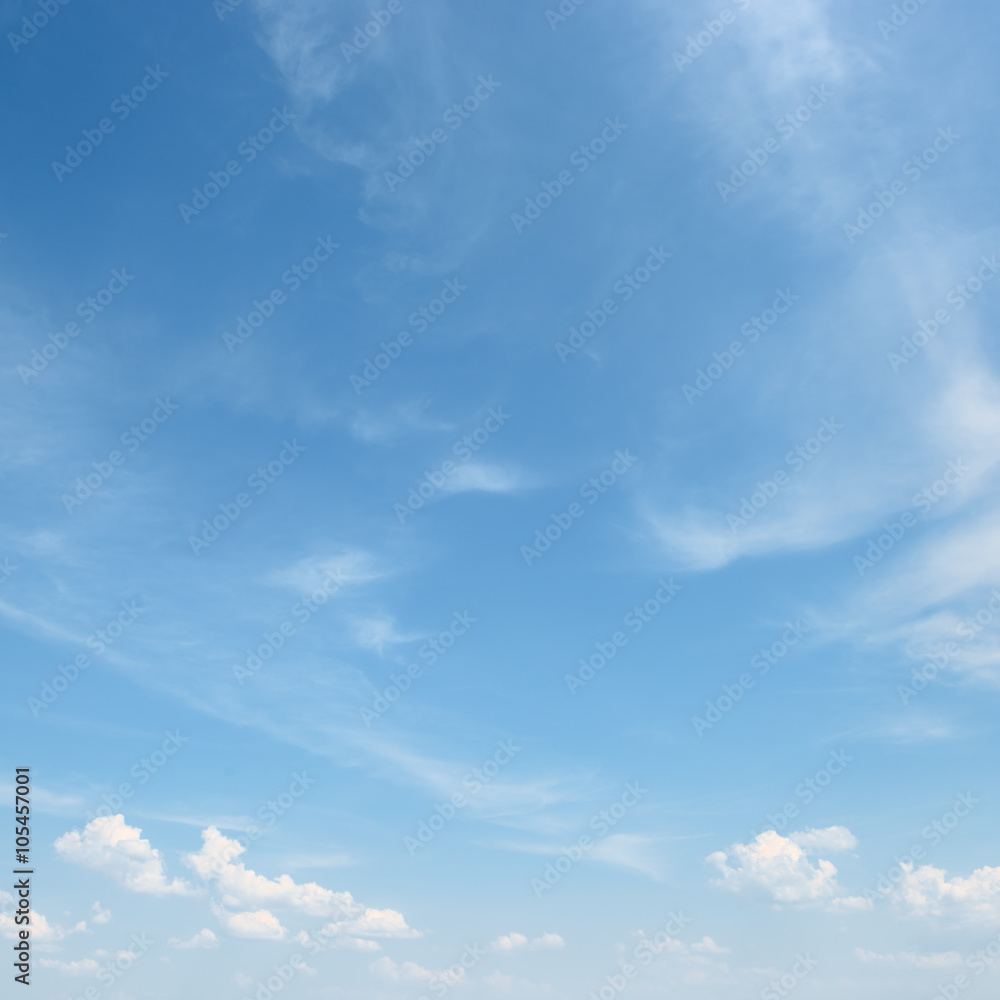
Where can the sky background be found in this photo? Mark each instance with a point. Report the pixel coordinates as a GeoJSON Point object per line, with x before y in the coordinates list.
{"type": "Point", "coordinates": [864, 561]}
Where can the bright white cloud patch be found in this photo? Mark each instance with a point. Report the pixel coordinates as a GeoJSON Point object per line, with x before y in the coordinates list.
{"type": "Point", "coordinates": [778, 867]}
{"type": "Point", "coordinates": [517, 942]}
{"type": "Point", "coordinates": [254, 925]}
{"type": "Point", "coordinates": [927, 891]}
{"type": "Point", "coordinates": [203, 939]}
{"type": "Point", "coordinates": [242, 889]}
{"type": "Point", "coordinates": [110, 846]}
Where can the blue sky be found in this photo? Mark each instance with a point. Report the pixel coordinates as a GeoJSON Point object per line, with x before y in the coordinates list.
{"type": "Point", "coordinates": [499, 500]}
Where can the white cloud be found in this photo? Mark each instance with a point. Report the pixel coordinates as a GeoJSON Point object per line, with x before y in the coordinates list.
{"type": "Point", "coordinates": [485, 479]}
{"type": "Point", "coordinates": [548, 942]}
{"type": "Point", "coordinates": [43, 934]}
{"type": "Point", "coordinates": [629, 851]}
{"type": "Point", "coordinates": [241, 888]}
{"type": "Point", "coordinates": [509, 942]}
{"type": "Point", "coordinates": [203, 939]}
{"type": "Point", "coordinates": [256, 925]}
{"type": "Point", "coordinates": [834, 839]}
{"type": "Point", "coordinates": [325, 573]}
{"type": "Point", "coordinates": [778, 868]}
{"type": "Point", "coordinates": [909, 959]}
{"type": "Point", "coordinates": [108, 845]}
{"type": "Point", "coordinates": [706, 946]}
{"type": "Point", "coordinates": [101, 916]}
{"type": "Point", "coordinates": [515, 942]}
{"type": "Point", "coordinates": [926, 891]}
{"type": "Point", "coordinates": [82, 967]}
{"type": "Point", "coordinates": [302, 37]}
{"type": "Point", "coordinates": [377, 633]}
{"type": "Point", "coordinates": [332, 938]}
{"type": "Point", "coordinates": [377, 923]}
{"type": "Point", "coordinates": [386, 968]}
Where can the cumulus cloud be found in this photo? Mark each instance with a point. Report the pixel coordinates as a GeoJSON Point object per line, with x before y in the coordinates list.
{"type": "Point", "coordinates": [108, 845]}
{"type": "Point", "coordinates": [834, 839]}
{"type": "Point", "coordinates": [778, 868]}
{"type": "Point", "coordinates": [203, 939]}
{"type": "Point", "coordinates": [509, 942]}
{"type": "Point", "coordinates": [927, 891]}
{"type": "Point", "coordinates": [254, 925]}
{"type": "Point", "coordinates": [101, 916]}
{"type": "Point", "coordinates": [515, 942]}
{"type": "Point", "coordinates": [43, 934]}
{"type": "Point", "coordinates": [242, 889]}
